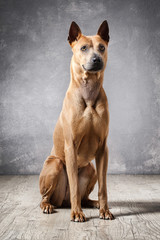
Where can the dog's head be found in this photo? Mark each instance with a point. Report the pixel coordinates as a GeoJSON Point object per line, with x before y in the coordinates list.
{"type": "Point", "coordinates": [90, 52]}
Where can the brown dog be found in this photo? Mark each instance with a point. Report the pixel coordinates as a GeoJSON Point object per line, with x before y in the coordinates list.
{"type": "Point", "coordinates": [80, 135]}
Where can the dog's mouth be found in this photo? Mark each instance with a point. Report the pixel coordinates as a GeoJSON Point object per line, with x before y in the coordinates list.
{"type": "Point", "coordinates": [93, 67]}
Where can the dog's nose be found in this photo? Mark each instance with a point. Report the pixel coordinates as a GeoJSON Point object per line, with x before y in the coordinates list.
{"type": "Point", "coordinates": [96, 59]}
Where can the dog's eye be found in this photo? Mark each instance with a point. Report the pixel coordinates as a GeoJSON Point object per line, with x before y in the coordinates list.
{"type": "Point", "coordinates": [101, 48]}
{"type": "Point", "coordinates": [84, 48]}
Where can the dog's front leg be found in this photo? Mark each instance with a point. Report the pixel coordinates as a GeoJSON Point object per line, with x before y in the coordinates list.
{"type": "Point", "coordinates": [77, 214]}
{"type": "Point", "coordinates": [102, 164]}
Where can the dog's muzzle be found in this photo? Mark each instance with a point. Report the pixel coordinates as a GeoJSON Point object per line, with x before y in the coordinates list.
{"type": "Point", "coordinates": [94, 65]}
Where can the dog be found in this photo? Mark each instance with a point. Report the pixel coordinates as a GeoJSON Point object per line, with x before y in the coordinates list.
{"type": "Point", "coordinates": [68, 176]}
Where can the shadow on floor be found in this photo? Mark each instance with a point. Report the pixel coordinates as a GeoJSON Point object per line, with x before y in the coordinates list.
{"type": "Point", "coordinates": [128, 208]}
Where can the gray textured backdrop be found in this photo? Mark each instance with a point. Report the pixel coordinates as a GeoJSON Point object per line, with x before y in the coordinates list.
{"type": "Point", "coordinates": [34, 76]}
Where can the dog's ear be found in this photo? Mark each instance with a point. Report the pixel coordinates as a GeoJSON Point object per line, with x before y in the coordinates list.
{"type": "Point", "coordinates": [103, 31]}
{"type": "Point", "coordinates": [74, 33]}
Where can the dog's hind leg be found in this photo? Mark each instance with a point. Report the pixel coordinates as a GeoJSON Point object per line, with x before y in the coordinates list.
{"type": "Point", "coordinates": [52, 173]}
{"type": "Point", "coordinates": [87, 178]}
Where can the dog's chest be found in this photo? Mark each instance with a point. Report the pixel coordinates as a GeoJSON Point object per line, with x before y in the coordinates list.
{"type": "Point", "coordinates": [91, 116]}
{"type": "Point", "coordinates": [89, 135]}
{"type": "Point", "coordinates": [89, 130]}
{"type": "Point", "coordinates": [94, 121]}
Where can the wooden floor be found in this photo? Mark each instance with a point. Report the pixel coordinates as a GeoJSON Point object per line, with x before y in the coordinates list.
{"type": "Point", "coordinates": [134, 200]}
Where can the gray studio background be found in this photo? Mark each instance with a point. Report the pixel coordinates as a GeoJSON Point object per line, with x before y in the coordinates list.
{"type": "Point", "coordinates": [34, 76]}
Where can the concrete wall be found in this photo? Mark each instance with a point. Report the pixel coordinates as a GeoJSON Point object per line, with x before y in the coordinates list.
{"type": "Point", "coordinates": [34, 76]}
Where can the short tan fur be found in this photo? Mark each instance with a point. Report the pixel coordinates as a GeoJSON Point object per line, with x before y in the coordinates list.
{"type": "Point", "coordinates": [68, 176]}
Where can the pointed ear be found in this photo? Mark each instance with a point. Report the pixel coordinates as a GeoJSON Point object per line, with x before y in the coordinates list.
{"type": "Point", "coordinates": [103, 31]}
{"type": "Point", "coordinates": [74, 33]}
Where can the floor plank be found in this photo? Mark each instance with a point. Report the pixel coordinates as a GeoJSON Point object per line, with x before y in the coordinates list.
{"type": "Point", "coordinates": [134, 200]}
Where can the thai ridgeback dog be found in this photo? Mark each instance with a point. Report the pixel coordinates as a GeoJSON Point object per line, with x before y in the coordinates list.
{"type": "Point", "coordinates": [80, 135]}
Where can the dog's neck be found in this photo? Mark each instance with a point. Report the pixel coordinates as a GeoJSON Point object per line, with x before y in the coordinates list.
{"type": "Point", "coordinates": [87, 84]}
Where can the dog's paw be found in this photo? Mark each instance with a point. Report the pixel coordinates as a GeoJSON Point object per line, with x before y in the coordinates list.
{"type": "Point", "coordinates": [77, 216]}
{"type": "Point", "coordinates": [105, 214]}
{"type": "Point", "coordinates": [47, 208]}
